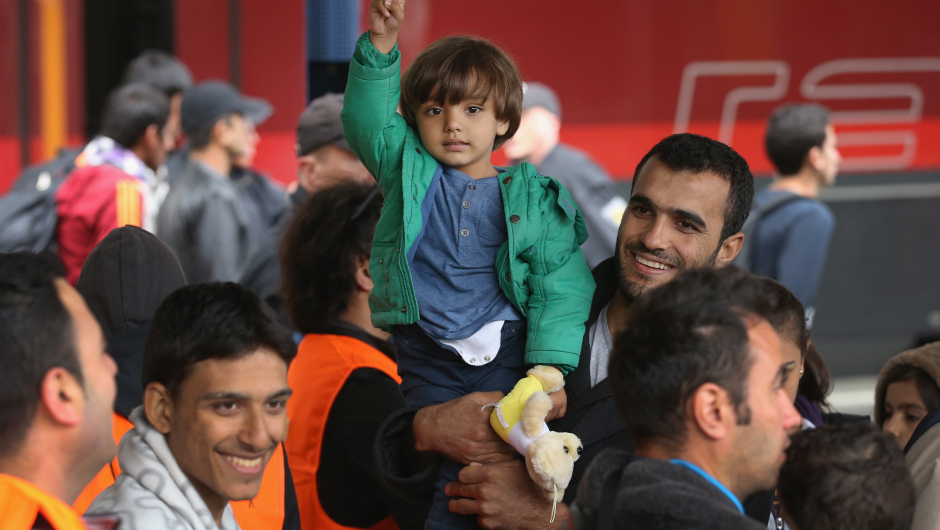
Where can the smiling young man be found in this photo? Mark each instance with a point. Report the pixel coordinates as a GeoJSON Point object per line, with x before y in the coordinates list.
{"type": "Point", "coordinates": [215, 377]}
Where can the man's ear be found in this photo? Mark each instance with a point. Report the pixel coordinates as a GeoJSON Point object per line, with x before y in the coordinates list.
{"type": "Point", "coordinates": [712, 411]}
{"type": "Point", "coordinates": [153, 137]}
{"type": "Point", "coordinates": [221, 132]}
{"type": "Point", "coordinates": [363, 278]}
{"type": "Point", "coordinates": [158, 407]}
{"type": "Point", "coordinates": [814, 158]}
{"type": "Point", "coordinates": [62, 396]}
{"type": "Point", "coordinates": [308, 172]}
{"type": "Point", "coordinates": [729, 249]}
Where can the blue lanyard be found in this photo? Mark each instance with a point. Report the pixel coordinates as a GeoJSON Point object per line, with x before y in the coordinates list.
{"type": "Point", "coordinates": [721, 487]}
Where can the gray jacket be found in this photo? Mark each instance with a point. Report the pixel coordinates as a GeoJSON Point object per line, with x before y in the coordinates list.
{"type": "Point", "coordinates": [596, 195]}
{"type": "Point", "coordinates": [204, 222]}
{"type": "Point", "coordinates": [152, 493]}
{"type": "Point", "coordinates": [649, 494]}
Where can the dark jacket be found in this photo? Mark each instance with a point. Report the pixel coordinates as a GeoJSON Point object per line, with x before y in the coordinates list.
{"type": "Point", "coordinates": [591, 415]}
{"type": "Point", "coordinates": [124, 280]}
{"type": "Point", "coordinates": [204, 222]}
{"type": "Point", "coordinates": [653, 495]}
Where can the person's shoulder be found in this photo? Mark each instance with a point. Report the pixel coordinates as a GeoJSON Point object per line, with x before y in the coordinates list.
{"type": "Point", "coordinates": [129, 500]}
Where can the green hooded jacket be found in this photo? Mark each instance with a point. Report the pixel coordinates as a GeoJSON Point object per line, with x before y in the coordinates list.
{"type": "Point", "coordinates": [541, 268]}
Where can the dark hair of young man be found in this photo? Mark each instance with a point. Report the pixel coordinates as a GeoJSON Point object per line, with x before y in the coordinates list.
{"type": "Point", "coordinates": [37, 335]}
{"type": "Point", "coordinates": [209, 321]}
{"type": "Point", "coordinates": [161, 71]}
{"type": "Point", "coordinates": [326, 238]}
{"type": "Point", "coordinates": [682, 335]}
{"type": "Point", "coordinates": [846, 476]}
{"type": "Point", "coordinates": [456, 68]}
{"type": "Point", "coordinates": [791, 132]}
{"type": "Point", "coordinates": [698, 154]}
{"type": "Point", "coordinates": [926, 387]}
{"type": "Point", "coordinates": [200, 138]}
{"type": "Point", "coordinates": [130, 109]}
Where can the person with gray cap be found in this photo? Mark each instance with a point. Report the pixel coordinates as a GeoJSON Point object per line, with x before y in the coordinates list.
{"type": "Point", "coordinates": [203, 219]}
{"type": "Point", "coordinates": [537, 142]}
{"type": "Point", "coordinates": [323, 160]}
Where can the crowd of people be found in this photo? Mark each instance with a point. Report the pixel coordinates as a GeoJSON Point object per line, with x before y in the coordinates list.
{"type": "Point", "coordinates": [410, 337]}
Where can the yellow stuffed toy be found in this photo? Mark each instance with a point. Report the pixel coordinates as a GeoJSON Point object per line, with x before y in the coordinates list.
{"type": "Point", "coordinates": [519, 418]}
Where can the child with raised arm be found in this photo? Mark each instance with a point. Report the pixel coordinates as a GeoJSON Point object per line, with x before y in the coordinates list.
{"type": "Point", "coordinates": [477, 270]}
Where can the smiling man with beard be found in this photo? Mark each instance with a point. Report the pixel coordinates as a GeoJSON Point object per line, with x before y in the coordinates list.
{"type": "Point", "coordinates": [214, 412]}
{"type": "Point", "coordinates": [690, 197]}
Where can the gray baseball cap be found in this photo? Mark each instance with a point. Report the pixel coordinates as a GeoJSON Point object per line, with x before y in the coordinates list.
{"type": "Point", "coordinates": [320, 125]}
{"type": "Point", "coordinates": [539, 95]}
{"type": "Point", "coordinates": [206, 102]}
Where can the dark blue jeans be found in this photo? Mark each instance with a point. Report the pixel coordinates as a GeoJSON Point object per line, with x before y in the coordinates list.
{"type": "Point", "coordinates": [432, 373]}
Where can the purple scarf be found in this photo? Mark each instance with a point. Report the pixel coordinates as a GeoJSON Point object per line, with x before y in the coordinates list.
{"type": "Point", "coordinates": [808, 410]}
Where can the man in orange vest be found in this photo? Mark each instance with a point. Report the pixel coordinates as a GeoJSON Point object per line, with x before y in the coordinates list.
{"type": "Point", "coordinates": [345, 376]}
{"type": "Point", "coordinates": [214, 412]}
{"type": "Point", "coordinates": [56, 392]}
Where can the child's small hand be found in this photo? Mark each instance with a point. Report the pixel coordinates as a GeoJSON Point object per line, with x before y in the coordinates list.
{"type": "Point", "coordinates": [385, 18]}
{"type": "Point", "coordinates": [559, 405]}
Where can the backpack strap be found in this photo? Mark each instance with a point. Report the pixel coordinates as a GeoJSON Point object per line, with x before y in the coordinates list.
{"type": "Point", "coordinates": [744, 259]}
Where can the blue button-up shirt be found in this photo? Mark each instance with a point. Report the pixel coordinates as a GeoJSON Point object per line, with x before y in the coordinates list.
{"type": "Point", "coordinates": [454, 262]}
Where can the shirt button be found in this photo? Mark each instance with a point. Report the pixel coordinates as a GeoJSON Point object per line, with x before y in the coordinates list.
{"type": "Point", "coordinates": [418, 150]}
{"type": "Point", "coordinates": [513, 218]}
{"type": "Point", "coordinates": [404, 310]}
{"type": "Point", "coordinates": [473, 361]}
{"type": "Point", "coordinates": [466, 204]}
{"type": "Point", "coordinates": [487, 358]}
{"type": "Point", "coordinates": [507, 180]}
{"type": "Point", "coordinates": [508, 276]}
{"type": "Point", "coordinates": [465, 232]}
{"type": "Point", "coordinates": [472, 187]}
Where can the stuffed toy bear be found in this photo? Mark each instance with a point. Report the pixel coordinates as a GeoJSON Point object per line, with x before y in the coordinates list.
{"type": "Point", "coordinates": [519, 418]}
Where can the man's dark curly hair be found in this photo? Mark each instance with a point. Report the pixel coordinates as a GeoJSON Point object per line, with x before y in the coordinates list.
{"type": "Point", "coordinates": [698, 154]}
{"type": "Point", "coordinates": [319, 253]}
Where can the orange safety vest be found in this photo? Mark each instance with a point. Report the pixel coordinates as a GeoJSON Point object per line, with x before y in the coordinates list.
{"type": "Point", "coordinates": [264, 512]}
{"type": "Point", "coordinates": [316, 375]}
{"type": "Point", "coordinates": [21, 502]}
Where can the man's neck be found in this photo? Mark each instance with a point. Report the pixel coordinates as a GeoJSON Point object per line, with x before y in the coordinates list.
{"type": "Point", "coordinates": [359, 314]}
{"type": "Point", "coordinates": [805, 183]}
{"type": "Point", "coordinates": [46, 470]}
{"type": "Point", "coordinates": [215, 157]}
{"type": "Point", "coordinates": [617, 314]}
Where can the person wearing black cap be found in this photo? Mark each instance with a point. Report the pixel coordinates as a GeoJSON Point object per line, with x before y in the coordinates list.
{"type": "Point", "coordinates": [323, 160]}
{"type": "Point", "coordinates": [202, 219]}
{"type": "Point", "coordinates": [537, 141]}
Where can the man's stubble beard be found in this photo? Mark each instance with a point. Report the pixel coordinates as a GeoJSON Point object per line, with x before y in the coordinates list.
{"type": "Point", "coordinates": [632, 290]}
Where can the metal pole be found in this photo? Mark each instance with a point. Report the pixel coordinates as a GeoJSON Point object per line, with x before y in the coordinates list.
{"type": "Point", "coordinates": [234, 42]}
{"type": "Point", "coordinates": [23, 78]}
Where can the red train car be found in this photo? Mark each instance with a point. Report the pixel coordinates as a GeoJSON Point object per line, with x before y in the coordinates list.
{"type": "Point", "coordinates": [627, 72]}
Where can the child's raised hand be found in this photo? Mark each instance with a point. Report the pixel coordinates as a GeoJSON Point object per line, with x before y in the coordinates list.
{"type": "Point", "coordinates": [385, 18]}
